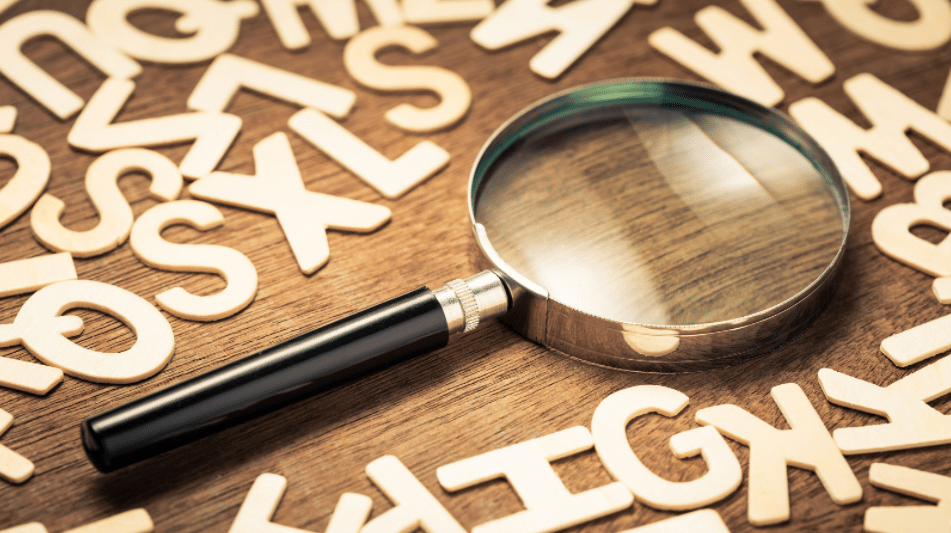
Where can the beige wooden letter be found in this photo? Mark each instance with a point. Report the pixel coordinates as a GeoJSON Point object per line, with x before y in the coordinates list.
{"type": "Point", "coordinates": [265, 495]}
{"type": "Point", "coordinates": [579, 25]}
{"type": "Point", "coordinates": [414, 506]}
{"type": "Point", "coordinates": [807, 445]}
{"type": "Point", "coordinates": [28, 377]}
{"type": "Point", "coordinates": [912, 422]}
{"type": "Point", "coordinates": [944, 104]}
{"type": "Point", "coordinates": [338, 17]}
{"type": "Point", "coordinates": [8, 118]}
{"type": "Point", "coordinates": [27, 275]}
{"type": "Point", "coordinates": [942, 289]}
{"type": "Point", "coordinates": [40, 328]}
{"type": "Point", "coordinates": [20, 277]}
{"type": "Point", "coordinates": [610, 440]}
{"type": "Point", "coordinates": [7, 4]}
{"type": "Point", "coordinates": [734, 67]}
{"type": "Point", "coordinates": [229, 73]}
{"type": "Point", "coordinates": [115, 215]}
{"type": "Point", "coordinates": [526, 466]}
{"type": "Point", "coordinates": [932, 28]}
{"type": "Point", "coordinates": [135, 521]}
{"type": "Point", "coordinates": [891, 114]}
{"type": "Point", "coordinates": [438, 11]}
{"type": "Point", "coordinates": [703, 521]}
{"type": "Point", "coordinates": [50, 93]}
{"type": "Point", "coordinates": [30, 179]}
{"type": "Point", "coordinates": [14, 468]}
{"type": "Point", "coordinates": [32, 527]}
{"type": "Point", "coordinates": [279, 189]}
{"type": "Point", "coordinates": [891, 229]}
{"type": "Point", "coordinates": [209, 27]}
{"type": "Point", "coordinates": [919, 343]}
{"type": "Point", "coordinates": [912, 518]}
{"type": "Point", "coordinates": [230, 264]}
{"type": "Point", "coordinates": [454, 94]}
{"type": "Point", "coordinates": [392, 179]}
{"type": "Point", "coordinates": [933, 191]}
{"type": "Point", "coordinates": [213, 133]}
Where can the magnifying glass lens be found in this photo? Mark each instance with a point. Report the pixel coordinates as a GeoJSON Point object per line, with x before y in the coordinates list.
{"type": "Point", "coordinates": [659, 215]}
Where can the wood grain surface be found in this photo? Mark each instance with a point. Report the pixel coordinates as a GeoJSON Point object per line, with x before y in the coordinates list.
{"type": "Point", "coordinates": [489, 390]}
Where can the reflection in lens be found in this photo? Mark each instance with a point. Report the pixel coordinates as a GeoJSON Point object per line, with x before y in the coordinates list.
{"type": "Point", "coordinates": [660, 216]}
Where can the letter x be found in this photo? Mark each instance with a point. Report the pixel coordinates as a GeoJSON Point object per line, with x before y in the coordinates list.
{"type": "Point", "coordinates": [277, 188]}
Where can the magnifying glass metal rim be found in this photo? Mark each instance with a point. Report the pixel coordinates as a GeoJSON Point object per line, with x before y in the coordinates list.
{"type": "Point", "coordinates": [654, 347]}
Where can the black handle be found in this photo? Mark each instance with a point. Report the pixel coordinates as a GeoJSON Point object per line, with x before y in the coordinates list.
{"type": "Point", "coordinates": [390, 332]}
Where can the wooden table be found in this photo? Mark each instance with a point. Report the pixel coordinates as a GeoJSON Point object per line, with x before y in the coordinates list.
{"type": "Point", "coordinates": [490, 390]}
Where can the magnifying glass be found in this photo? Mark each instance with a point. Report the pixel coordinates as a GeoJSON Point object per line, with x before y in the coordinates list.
{"type": "Point", "coordinates": [644, 225]}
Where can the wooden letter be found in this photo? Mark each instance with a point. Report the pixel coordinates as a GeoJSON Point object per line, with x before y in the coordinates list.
{"type": "Point", "coordinates": [28, 275]}
{"type": "Point", "coordinates": [338, 17]}
{"type": "Point", "coordinates": [28, 377]}
{"type": "Point", "coordinates": [265, 495]}
{"type": "Point", "coordinates": [210, 28]}
{"type": "Point", "coordinates": [7, 4]}
{"type": "Point", "coordinates": [944, 105]}
{"type": "Point", "coordinates": [942, 289]}
{"type": "Point", "coordinates": [919, 343]}
{"type": "Point", "coordinates": [230, 264]}
{"type": "Point", "coordinates": [912, 422]}
{"type": "Point", "coordinates": [549, 505]}
{"type": "Point", "coordinates": [32, 527]}
{"type": "Point", "coordinates": [910, 519]}
{"type": "Point", "coordinates": [94, 131]}
{"type": "Point", "coordinates": [891, 114]}
{"type": "Point", "coordinates": [891, 229]}
{"type": "Point", "coordinates": [8, 118]}
{"type": "Point", "coordinates": [703, 521]}
{"type": "Point", "coordinates": [33, 377]}
{"type": "Point", "coordinates": [807, 445]}
{"type": "Point", "coordinates": [279, 189]}
{"type": "Point", "coordinates": [610, 440]}
{"type": "Point", "coordinates": [135, 521]}
{"type": "Point", "coordinates": [414, 506]}
{"type": "Point", "coordinates": [932, 28]}
{"type": "Point", "coordinates": [933, 191]}
{"type": "Point", "coordinates": [20, 277]}
{"type": "Point", "coordinates": [229, 73]}
{"type": "Point", "coordinates": [455, 97]}
{"type": "Point", "coordinates": [115, 215]}
{"type": "Point", "coordinates": [50, 93]}
{"type": "Point", "coordinates": [40, 328]}
{"type": "Point", "coordinates": [391, 179]}
{"type": "Point", "coordinates": [30, 179]}
{"type": "Point", "coordinates": [436, 11]}
{"type": "Point", "coordinates": [14, 468]}
{"type": "Point", "coordinates": [579, 25]}
{"type": "Point", "coordinates": [735, 68]}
